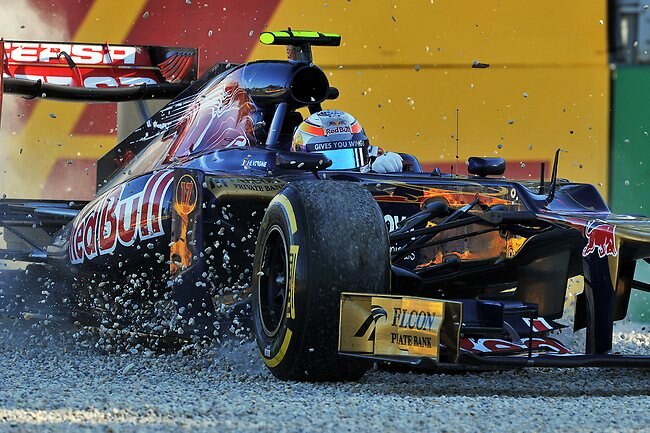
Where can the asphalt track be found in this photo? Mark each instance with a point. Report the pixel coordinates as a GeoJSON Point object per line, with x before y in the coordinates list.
{"type": "Point", "coordinates": [53, 378]}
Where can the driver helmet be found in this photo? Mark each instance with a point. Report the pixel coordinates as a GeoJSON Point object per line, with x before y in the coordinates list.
{"type": "Point", "coordinates": [337, 135]}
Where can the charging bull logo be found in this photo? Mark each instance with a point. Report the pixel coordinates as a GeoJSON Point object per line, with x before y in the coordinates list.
{"type": "Point", "coordinates": [601, 238]}
{"type": "Point", "coordinates": [337, 126]}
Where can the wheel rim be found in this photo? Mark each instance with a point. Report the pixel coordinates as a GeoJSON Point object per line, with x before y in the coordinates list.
{"type": "Point", "coordinates": [272, 282]}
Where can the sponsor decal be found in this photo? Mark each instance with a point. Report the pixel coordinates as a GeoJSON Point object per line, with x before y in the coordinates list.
{"type": "Point", "coordinates": [249, 164]}
{"type": "Point", "coordinates": [376, 313]}
{"type": "Point", "coordinates": [293, 262]}
{"type": "Point", "coordinates": [414, 319]}
{"type": "Point", "coordinates": [334, 145]}
{"type": "Point", "coordinates": [491, 345]}
{"type": "Point", "coordinates": [409, 257]}
{"type": "Point", "coordinates": [81, 54]}
{"type": "Point", "coordinates": [601, 238]}
{"type": "Point", "coordinates": [410, 340]}
{"type": "Point", "coordinates": [422, 320]}
{"type": "Point", "coordinates": [343, 129]}
{"type": "Point", "coordinates": [255, 184]}
{"type": "Point", "coordinates": [118, 219]}
{"type": "Point", "coordinates": [185, 198]}
{"type": "Point", "coordinates": [392, 221]}
{"type": "Point", "coordinates": [390, 325]}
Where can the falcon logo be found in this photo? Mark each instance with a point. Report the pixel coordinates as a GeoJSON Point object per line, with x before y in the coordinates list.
{"type": "Point", "coordinates": [376, 312]}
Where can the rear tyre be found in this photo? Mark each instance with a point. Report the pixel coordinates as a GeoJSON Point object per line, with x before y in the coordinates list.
{"type": "Point", "coordinates": [317, 240]}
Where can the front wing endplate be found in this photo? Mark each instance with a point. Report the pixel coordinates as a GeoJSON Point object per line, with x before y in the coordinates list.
{"type": "Point", "coordinates": [399, 326]}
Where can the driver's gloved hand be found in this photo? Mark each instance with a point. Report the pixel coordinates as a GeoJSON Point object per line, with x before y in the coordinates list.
{"type": "Point", "coordinates": [389, 162]}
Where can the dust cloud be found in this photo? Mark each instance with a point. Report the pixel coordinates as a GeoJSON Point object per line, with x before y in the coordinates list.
{"type": "Point", "coordinates": [21, 20]}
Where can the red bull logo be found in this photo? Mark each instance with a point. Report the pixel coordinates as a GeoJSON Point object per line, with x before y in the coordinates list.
{"type": "Point", "coordinates": [337, 126]}
{"type": "Point", "coordinates": [338, 130]}
{"type": "Point", "coordinates": [600, 238]}
{"type": "Point", "coordinates": [119, 219]}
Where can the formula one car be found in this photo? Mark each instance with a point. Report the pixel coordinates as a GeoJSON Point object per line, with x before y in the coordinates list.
{"type": "Point", "coordinates": [203, 215]}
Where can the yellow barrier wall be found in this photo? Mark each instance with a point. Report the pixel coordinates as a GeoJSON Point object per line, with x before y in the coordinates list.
{"type": "Point", "coordinates": [403, 71]}
{"type": "Point", "coordinates": [405, 67]}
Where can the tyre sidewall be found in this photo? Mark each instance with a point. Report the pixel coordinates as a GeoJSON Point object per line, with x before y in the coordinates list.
{"type": "Point", "coordinates": [280, 351]}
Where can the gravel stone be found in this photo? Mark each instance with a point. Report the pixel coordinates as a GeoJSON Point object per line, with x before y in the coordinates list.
{"type": "Point", "coordinates": [54, 379]}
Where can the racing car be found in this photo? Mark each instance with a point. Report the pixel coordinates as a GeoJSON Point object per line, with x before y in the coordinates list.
{"type": "Point", "coordinates": [206, 216]}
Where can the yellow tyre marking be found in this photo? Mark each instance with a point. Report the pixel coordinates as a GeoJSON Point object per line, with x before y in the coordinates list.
{"type": "Point", "coordinates": [277, 359]}
{"type": "Point", "coordinates": [286, 204]}
{"type": "Point", "coordinates": [293, 252]}
{"type": "Point", "coordinates": [293, 262]}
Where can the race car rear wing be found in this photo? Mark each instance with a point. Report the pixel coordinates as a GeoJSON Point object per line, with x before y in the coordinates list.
{"type": "Point", "coordinates": [95, 72]}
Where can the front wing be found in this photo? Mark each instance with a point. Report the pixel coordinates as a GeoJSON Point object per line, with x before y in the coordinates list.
{"type": "Point", "coordinates": [430, 332]}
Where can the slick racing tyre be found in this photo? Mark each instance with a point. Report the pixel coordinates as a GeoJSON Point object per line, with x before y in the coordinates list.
{"type": "Point", "coordinates": [317, 240]}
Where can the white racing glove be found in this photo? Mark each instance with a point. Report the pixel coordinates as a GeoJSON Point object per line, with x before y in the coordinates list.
{"type": "Point", "coordinates": [389, 162]}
